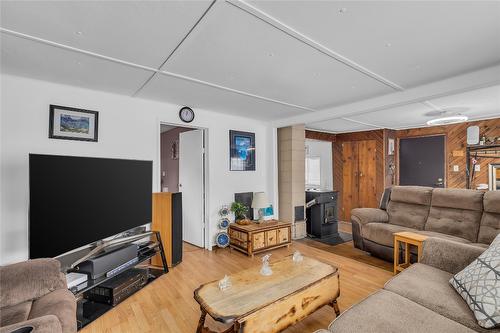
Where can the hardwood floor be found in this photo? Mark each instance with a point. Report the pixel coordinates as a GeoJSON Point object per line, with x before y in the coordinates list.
{"type": "Point", "coordinates": [167, 304]}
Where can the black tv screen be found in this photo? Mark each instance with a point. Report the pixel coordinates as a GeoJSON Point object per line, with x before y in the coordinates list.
{"type": "Point", "coordinates": [75, 201]}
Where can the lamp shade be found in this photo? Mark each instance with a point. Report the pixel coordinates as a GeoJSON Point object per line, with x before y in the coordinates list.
{"type": "Point", "coordinates": [260, 200]}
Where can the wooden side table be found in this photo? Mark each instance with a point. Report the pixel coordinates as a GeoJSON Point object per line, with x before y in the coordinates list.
{"type": "Point", "coordinates": [408, 238]}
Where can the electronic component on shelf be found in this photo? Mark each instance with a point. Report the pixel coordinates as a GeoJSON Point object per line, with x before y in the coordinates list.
{"type": "Point", "coordinates": [118, 288]}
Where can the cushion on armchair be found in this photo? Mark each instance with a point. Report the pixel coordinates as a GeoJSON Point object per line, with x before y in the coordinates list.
{"type": "Point", "coordinates": [479, 286]}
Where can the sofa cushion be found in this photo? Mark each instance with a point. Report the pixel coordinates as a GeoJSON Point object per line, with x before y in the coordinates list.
{"type": "Point", "coordinates": [419, 195]}
{"type": "Point", "coordinates": [457, 198]}
{"type": "Point", "coordinates": [409, 206]}
{"type": "Point", "coordinates": [381, 233]}
{"type": "Point", "coordinates": [388, 312]}
{"type": "Point", "coordinates": [456, 212]}
{"type": "Point", "coordinates": [60, 303]}
{"type": "Point", "coordinates": [14, 314]}
{"type": "Point", "coordinates": [429, 287]}
{"type": "Point", "coordinates": [490, 221]}
{"type": "Point", "coordinates": [40, 277]}
{"type": "Point", "coordinates": [479, 286]}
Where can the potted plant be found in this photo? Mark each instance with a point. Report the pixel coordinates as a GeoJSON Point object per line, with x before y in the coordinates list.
{"type": "Point", "coordinates": [240, 211]}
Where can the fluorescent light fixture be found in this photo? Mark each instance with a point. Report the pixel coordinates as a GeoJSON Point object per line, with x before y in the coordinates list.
{"type": "Point", "coordinates": [447, 120]}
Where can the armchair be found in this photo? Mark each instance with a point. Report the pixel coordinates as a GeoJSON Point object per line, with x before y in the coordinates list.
{"type": "Point", "coordinates": [34, 294]}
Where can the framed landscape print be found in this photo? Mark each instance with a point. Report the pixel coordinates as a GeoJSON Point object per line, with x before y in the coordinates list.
{"type": "Point", "coordinates": [242, 151]}
{"type": "Point", "coordinates": [72, 124]}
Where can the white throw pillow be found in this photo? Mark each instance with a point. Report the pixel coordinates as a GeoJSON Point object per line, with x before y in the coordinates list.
{"type": "Point", "coordinates": [479, 286]}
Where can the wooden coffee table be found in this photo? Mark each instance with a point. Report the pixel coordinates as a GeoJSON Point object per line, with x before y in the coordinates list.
{"type": "Point", "coordinates": [256, 303]}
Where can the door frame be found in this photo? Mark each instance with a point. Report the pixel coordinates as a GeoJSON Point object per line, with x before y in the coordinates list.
{"type": "Point", "coordinates": [205, 185]}
{"type": "Point", "coordinates": [445, 152]}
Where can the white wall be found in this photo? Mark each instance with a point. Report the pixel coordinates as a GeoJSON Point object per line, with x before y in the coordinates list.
{"type": "Point", "coordinates": [128, 128]}
{"type": "Point", "coordinates": [322, 149]}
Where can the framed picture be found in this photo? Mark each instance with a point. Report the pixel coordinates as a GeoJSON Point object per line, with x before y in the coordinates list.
{"type": "Point", "coordinates": [242, 151]}
{"type": "Point", "coordinates": [72, 124]}
{"type": "Point", "coordinates": [390, 147]}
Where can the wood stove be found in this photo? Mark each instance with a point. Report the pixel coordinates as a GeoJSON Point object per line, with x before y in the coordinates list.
{"type": "Point", "coordinates": [321, 213]}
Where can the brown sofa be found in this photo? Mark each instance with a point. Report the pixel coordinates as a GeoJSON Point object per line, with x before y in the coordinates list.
{"type": "Point", "coordinates": [34, 294]}
{"type": "Point", "coordinates": [419, 299]}
{"type": "Point", "coordinates": [465, 216]}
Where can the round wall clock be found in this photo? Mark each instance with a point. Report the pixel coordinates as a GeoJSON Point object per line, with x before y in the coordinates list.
{"type": "Point", "coordinates": [222, 239]}
{"type": "Point", "coordinates": [186, 114]}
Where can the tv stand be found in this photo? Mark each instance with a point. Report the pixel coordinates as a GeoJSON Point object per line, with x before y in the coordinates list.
{"type": "Point", "coordinates": [87, 310]}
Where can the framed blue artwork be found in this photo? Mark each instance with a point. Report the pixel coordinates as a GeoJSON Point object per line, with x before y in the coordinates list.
{"type": "Point", "coordinates": [242, 151]}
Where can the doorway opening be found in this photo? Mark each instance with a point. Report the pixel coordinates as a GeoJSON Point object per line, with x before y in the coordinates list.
{"type": "Point", "coordinates": [182, 170]}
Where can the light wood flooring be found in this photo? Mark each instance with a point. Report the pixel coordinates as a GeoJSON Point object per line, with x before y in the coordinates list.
{"type": "Point", "coordinates": [167, 304]}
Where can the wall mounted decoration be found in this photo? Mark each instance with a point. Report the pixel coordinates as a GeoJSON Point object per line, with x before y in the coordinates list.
{"type": "Point", "coordinates": [175, 150]}
{"type": "Point", "coordinates": [72, 124]}
{"type": "Point", "coordinates": [391, 146]}
{"type": "Point", "coordinates": [242, 151]}
{"type": "Point", "coordinates": [222, 237]}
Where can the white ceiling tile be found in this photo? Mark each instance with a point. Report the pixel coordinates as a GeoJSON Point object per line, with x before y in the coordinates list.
{"type": "Point", "coordinates": [24, 57]}
{"type": "Point", "coordinates": [403, 116]}
{"type": "Point", "coordinates": [476, 104]}
{"type": "Point", "coordinates": [338, 125]}
{"type": "Point", "coordinates": [407, 42]}
{"type": "Point", "coordinates": [233, 48]}
{"type": "Point", "coordinates": [144, 32]}
{"type": "Point", "coordinates": [182, 92]}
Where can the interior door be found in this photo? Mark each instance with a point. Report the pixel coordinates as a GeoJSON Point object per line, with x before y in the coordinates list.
{"type": "Point", "coordinates": [422, 161]}
{"type": "Point", "coordinates": [367, 177]}
{"type": "Point", "coordinates": [349, 179]}
{"type": "Point", "coordinates": [191, 171]}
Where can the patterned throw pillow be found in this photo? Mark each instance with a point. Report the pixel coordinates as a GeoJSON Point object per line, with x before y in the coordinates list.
{"type": "Point", "coordinates": [479, 286]}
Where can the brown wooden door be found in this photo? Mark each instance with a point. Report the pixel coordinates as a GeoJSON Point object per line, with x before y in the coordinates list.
{"type": "Point", "coordinates": [367, 176]}
{"type": "Point", "coordinates": [349, 179]}
{"type": "Point", "coordinates": [358, 176]}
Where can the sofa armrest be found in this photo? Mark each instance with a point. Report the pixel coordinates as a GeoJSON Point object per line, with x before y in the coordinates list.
{"type": "Point", "coordinates": [367, 215]}
{"type": "Point", "coordinates": [45, 324]}
{"type": "Point", "coordinates": [29, 280]}
{"type": "Point", "coordinates": [447, 255]}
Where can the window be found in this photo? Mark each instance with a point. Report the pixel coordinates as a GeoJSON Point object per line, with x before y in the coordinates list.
{"type": "Point", "coordinates": [313, 171]}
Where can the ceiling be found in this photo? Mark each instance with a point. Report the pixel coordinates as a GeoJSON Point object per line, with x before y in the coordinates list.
{"type": "Point", "coordinates": [336, 66]}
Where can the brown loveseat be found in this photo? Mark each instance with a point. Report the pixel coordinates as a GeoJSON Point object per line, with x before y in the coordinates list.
{"type": "Point", "coordinates": [465, 216]}
{"type": "Point", "coordinates": [34, 294]}
{"type": "Point", "coordinates": [419, 299]}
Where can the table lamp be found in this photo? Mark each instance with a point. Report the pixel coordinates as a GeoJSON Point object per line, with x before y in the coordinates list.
{"type": "Point", "coordinates": [260, 202]}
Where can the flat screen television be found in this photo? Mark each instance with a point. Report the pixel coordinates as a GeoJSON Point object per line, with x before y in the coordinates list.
{"type": "Point", "coordinates": [75, 201]}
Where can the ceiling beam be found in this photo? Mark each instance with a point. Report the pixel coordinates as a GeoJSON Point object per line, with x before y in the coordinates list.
{"type": "Point", "coordinates": [311, 43]}
{"type": "Point", "coordinates": [459, 84]}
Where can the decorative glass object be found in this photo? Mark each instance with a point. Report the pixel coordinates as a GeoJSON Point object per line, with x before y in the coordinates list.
{"type": "Point", "coordinates": [266, 269]}
{"type": "Point", "coordinates": [297, 257]}
{"type": "Point", "coordinates": [224, 211]}
{"type": "Point", "coordinates": [224, 223]}
{"type": "Point", "coordinates": [225, 283]}
{"type": "Point", "coordinates": [222, 239]}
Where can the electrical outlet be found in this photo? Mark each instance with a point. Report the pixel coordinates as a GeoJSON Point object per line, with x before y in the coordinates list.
{"type": "Point", "coordinates": [477, 167]}
{"type": "Point", "coordinates": [456, 168]}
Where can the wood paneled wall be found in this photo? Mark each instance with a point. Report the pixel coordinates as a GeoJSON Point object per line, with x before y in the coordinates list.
{"type": "Point", "coordinates": [456, 141]}
{"type": "Point", "coordinates": [379, 136]}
